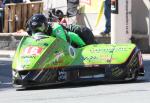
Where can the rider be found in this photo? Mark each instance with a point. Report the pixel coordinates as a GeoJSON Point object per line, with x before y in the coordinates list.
{"type": "Point", "coordinates": [39, 23]}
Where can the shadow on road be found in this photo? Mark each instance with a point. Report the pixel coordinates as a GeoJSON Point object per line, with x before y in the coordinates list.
{"type": "Point", "coordinates": [81, 85]}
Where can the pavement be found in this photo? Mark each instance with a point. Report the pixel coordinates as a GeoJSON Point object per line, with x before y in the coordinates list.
{"type": "Point", "coordinates": [7, 53]}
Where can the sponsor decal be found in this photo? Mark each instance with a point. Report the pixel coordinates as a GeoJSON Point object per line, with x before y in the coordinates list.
{"type": "Point", "coordinates": [25, 66]}
{"type": "Point", "coordinates": [100, 50]}
{"type": "Point", "coordinates": [32, 57]}
{"type": "Point", "coordinates": [90, 58]}
{"type": "Point", "coordinates": [58, 32]}
{"type": "Point", "coordinates": [108, 50]}
{"type": "Point", "coordinates": [27, 60]}
{"type": "Point", "coordinates": [58, 57]}
{"type": "Point", "coordinates": [45, 44]}
{"type": "Point", "coordinates": [93, 76]}
{"type": "Point", "coordinates": [44, 56]}
{"type": "Point", "coordinates": [62, 75]}
{"type": "Point", "coordinates": [72, 52]}
{"type": "Point", "coordinates": [98, 58]}
{"type": "Point", "coordinates": [32, 50]}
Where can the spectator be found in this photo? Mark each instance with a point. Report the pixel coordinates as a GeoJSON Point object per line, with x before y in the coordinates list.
{"type": "Point", "coordinates": [72, 11]}
{"type": "Point", "coordinates": [107, 13]}
{"type": "Point", "coordinates": [72, 7]}
{"type": "Point", "coordinates": [10, 1]}
{"type": "Point", "coordinates": [4, 2]}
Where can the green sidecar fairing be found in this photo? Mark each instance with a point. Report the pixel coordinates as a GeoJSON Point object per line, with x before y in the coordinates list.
{"type": "Point", "coordinates": [46, 60]}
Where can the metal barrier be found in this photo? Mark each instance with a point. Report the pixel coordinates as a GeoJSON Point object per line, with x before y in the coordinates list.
{"type": "Point", "coordinates": [17, 14]}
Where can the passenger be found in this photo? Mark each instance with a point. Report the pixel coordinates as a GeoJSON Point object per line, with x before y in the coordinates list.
{"type": "Point", "coordinates": [80, 36]}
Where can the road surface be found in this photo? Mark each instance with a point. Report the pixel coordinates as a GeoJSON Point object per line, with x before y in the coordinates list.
{"type": "Point", "coordinates": [131, 92]}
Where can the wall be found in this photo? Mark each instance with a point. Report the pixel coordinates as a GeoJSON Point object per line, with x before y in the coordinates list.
{"type": "Point", "coordinates": [140, 16]}
{"type": "Point", "coordinates": [92, 15]}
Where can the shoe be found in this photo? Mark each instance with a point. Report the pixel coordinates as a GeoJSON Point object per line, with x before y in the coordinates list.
{"type": "Point", "coordinates": [104, 33]}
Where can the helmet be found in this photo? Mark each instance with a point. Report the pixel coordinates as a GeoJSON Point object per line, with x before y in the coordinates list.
{"type": "Point", "coordinates": [59, 14]}
{"type": "Point", "coordinates": [38, 23]}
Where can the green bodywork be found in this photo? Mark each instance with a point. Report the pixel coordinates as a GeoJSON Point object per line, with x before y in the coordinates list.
{"type": "Point", "coordinates": [51, 52]}
{"type": "Point", "coordinates": [59, 32]}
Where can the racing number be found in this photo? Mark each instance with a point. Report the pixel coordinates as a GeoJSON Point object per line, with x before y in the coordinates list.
{"type": "Point", "coordinates": [33, 50]}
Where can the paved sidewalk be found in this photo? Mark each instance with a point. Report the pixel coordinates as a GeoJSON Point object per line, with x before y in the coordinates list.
{"type": "Point", "coordinates": [7, 53]}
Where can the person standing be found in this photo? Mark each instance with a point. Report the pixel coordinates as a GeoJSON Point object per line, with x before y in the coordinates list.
{"type": "Point", "coordinates": [107, 13]}
{"type": "Point", "coordinates": [72, 7]}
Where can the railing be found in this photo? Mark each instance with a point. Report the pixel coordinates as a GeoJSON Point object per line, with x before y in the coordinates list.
{"type": "Point", "coordinates": [17, 14]}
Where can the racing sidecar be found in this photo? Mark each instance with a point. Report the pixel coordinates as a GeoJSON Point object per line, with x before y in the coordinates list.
{"type": "Point", "coordinates": [46, 60]}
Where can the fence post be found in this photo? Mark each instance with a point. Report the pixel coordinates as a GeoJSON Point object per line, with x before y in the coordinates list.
{"type": "Point", "coordinates": [17, 14]}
